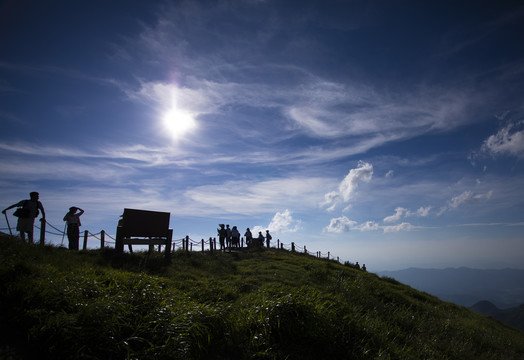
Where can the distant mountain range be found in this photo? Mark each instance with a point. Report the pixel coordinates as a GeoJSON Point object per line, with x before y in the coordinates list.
{"type": "Point", "coordinates": [513, 316]}
{"type": "Point", "coordinates": [503, 288]}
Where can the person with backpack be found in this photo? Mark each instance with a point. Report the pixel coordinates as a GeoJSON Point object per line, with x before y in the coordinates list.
{"type": "Point", "coordinates": [27, 211]}
{"type": "Point", "coordinates": [73, 226]}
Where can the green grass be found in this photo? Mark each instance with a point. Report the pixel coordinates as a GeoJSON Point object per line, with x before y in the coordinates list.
{"type": "Point", "coordinates": [262, 304]}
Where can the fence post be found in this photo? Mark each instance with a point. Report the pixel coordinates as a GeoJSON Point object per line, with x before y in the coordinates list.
{"type": "Point", "coordinates": [278, 243]}
{"type": "Point", "coordinates": [305, 250]}
{"type": "Point", "coordinates": [186, 245]}
{"type": "Point", "coordinates": [102, 239]}
{"type": "Point", "coordinates": [85, 239]}
{"type": "Point", "coordinates": [293, 246]}
{"type": "Point", "coordinates": [42, 231]}
{"type": "Point", "coordinates": [202, 245]}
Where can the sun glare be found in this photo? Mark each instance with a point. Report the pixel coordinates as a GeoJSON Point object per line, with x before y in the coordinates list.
{"type": "Point", "coordinates": [178, 122]}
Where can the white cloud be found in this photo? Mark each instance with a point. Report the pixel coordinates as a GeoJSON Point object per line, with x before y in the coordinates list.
{"type": "Point", "coordinates": [331, 198]}
{"type": "Point", "coordinates": [283, 222]}
{"type": "Point", "coordinates": [340, 224]}
{"type": "Point", "coordinates": [465, 198]}
{"type": "Point", "coordinates": [399, 213]}
{"type": "Point", "coordinates": [368, 226]}
{"type": "Point", "coordinates": [458, 200]}
{"type": "Point", "coordinates": [400, 227]}
{"type": "Point", "coordinates": [423, 211]}
{"type": "Point", "coordinates": [343, 224]}
{"type": "Point", "coordinates": [507, 141]}
{"type": "Point", "coordinates": [348, 186]}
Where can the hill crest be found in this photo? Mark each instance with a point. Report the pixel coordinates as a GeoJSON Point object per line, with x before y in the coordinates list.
{"type": "Point", "coordinates": [249, 304]}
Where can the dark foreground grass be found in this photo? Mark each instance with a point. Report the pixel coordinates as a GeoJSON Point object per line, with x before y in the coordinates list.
{"type": "Point", "coordinates": [266, 304]}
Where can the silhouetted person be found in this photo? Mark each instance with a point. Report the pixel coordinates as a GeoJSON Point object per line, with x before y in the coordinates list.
{"type": "Point", "coordinates": [357, 265]}
{"type": "Point", "coordinates": [228, 237]}
{"type": "Point", "coordinates": [260, 239]}
{"type": "Point", "coordinates": [73, 226]}
{"type": "Point", "coordinates": [268, 239]}
{"type": "Point", "coordinates": [222, 235]}
{"type": "Point", "coordinates": [235, 237]}
{"type": "Point", "coordinates": [249, 237]}
{"type": "Point", "coordinates": [29, 210]}
{"type": "Point", "coordinates": [364, 267]}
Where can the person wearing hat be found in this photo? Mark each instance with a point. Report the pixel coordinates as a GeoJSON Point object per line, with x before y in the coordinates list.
{"type": "Point", "coordinates": [27, 211]}
{"type": "Point", "coordinates": [73, 226]}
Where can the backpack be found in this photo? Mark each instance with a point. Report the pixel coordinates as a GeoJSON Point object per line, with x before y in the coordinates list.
{"type": "Point", "coordinates": [24, 211]}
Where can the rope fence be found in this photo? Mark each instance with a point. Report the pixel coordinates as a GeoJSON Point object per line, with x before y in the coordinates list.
{"type": "Point", "coordinates": [183, 244]}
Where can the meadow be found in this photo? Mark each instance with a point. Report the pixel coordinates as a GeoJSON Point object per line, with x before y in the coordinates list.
{"type": "Point", "coordinates": [249, 304]}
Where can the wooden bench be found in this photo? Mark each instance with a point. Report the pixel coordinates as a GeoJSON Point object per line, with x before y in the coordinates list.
{"type": "Point", "coordinates": [144, 227]}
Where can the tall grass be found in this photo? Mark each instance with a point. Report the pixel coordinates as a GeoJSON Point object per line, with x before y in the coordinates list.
{"type": "Point", "coordinates": [269, 304]}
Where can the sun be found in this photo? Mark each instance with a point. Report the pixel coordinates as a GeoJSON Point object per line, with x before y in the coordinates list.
{"type": "Point", "coordinates": [178, 122]}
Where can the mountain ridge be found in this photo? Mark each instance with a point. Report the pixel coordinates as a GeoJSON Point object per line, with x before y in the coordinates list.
{"type": "Point", "coordinates": [466, 286]}
{"type": "Point", "coordinates": [513, 316]}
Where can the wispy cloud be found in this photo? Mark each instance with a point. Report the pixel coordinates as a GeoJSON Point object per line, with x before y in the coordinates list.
{"type": "Point", "coordinates": [467, 197]}
{"type": "Point", "coordinates": [214, 83]}
{"type": "Point", "coordinates": [249, 198]}
{"type": "Point", "coordinates": [507, 141]}
{"type": "Point", "coordinates": [401, 212]}
{"type": "Point", "coordinates": [405, 226]}
{"type": "Point", "coordinates": [343, 224]}
{"type": "Point", "coordinates": [347, 188]}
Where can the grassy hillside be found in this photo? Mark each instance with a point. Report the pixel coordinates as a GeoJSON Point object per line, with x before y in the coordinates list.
{"type": "Point", "coordinates": [265, 304]}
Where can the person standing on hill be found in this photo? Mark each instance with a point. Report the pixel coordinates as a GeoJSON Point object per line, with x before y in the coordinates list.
{"type": "Point", "coordinates": [249, 237]}
{"type": "Point", "coordinates": [73, 226]}
{"type": "Point", "coordinates": [27, 211]}
{"type": "Point", "coordinates": [228, 236]}
{"type": "Point", "coordinates": [260, 239]}
{"type": "Point", "coordinates": [222, 235]}
{"type": "Point", "coordinates": [235, 237]}
{"type": "Point", "coordinates": [268, 239]}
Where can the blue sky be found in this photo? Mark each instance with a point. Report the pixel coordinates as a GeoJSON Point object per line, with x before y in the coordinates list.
{"type": "Point", "coordinates": [389, 133]}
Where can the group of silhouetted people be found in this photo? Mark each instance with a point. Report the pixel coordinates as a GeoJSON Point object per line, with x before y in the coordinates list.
{"type": "Point", "coordinates": [28, 210]}
{"type": "Point", "coordinates": [230, 237]}
{"type": "Point", "coordinates": [357, 265]}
